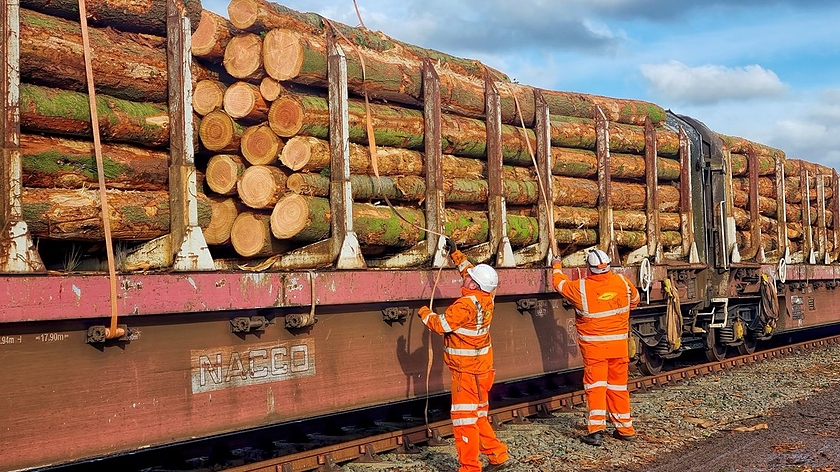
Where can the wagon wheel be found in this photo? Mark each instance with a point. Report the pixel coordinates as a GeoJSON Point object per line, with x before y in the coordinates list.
{"type": "Point", "coordinates": [748, 346]}
{"type": "Point", "coordinates": [714, 352]}
{"type": "Point", "coordinates": [649, 362]}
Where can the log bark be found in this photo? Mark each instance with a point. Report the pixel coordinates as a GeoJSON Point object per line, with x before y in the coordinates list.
{"type": "Point", "coordinates": [793, 188]}
{"type": "Point", "coordinates": [223, 171]}
{"type": "Point", "coordinates": [75, 214]}
{"type": "Point", "coordinates": [582, 238]}
{"type": "Point", "coordinates": [260, 146]}
{"type": "Point", "coordinates": [250, 236]}
{"type": "Point", "coordinates": [138, 17]}
{"type": "Point", "coordinates": [766, 206]}
{"type": "Point", "coordinates": [243, 57]}
{"type": "Point", "coordinates": [223, 212]}
{"type": "Point", "coordinates": [212, 35]}
{"type": "Point", "coordinates": [243, 101]}
{"type": "Point", "coordinates": [617, 110]}
{"type": "Point", "coordinates": [219, 132]}
{"type": "Point", "coordinates": [580, 133]}
{"type": "Point", "coordinates": [125, 66]}
{"type": "Point", "coordinates": [744, 146]}
{"type": "Point", "coordinates": [740, 165]}
{"type": "Point", "coordinates": [260, 187]}
{"type": "Point", "coordinates": [55, 111]}
{"type": "Point", "coordinates": [52, 161]}
{"type": "Point", "coordinates": [208, 95]}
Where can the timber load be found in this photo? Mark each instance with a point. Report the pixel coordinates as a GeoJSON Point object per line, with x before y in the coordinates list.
{"type": "Point", "coordinates": [267, 137]}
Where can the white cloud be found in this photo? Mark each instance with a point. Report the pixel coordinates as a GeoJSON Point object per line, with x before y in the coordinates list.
{"type": "Point", "coordinates": [711, 83]}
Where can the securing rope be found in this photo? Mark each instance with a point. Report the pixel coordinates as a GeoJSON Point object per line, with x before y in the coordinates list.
{"type": "Point", "coordinates": [768, 311]}
{"type": "Point", "coordinates": [673, 317]}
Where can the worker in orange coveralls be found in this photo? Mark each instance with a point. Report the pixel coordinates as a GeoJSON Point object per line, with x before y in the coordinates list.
{"type": "Point", "coordinates": [602, 302]}
{"type": "Point", "coordinates": [465, 327]}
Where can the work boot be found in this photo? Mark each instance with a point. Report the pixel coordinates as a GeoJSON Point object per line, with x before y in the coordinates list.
{"type": "Point", "coordinates": [622, 437]}
{"type": "Point", "coordinates": [499, 466]}
{"type": "Point", "coordinates": [593, 439]}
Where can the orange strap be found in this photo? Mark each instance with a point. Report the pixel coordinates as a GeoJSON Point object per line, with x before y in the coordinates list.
{"type": "Point", "coordinates": [103, 197]}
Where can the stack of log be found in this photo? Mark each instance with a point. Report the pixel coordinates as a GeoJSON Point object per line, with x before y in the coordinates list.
{"type": "Point", "coordinates": [59, 169]}
{"type": "Point", "coordinates": [267, 132]}
{"type": "Point", "coordinates": [797, 226]}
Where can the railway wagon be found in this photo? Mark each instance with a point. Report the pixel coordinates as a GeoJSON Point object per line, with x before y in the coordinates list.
{"type": "Point", "coordinates": [206, 303]}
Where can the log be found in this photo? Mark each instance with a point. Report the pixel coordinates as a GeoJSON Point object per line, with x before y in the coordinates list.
{"type": "Point", "coordinates": [571, 162]}
{"type": "Point", "coordinates": [208, 95]}
{"type": "Point", "coordinates": [581, 105]}
{"type": "Point", "coordinates": [793, 168]}
{"type": "Point", "coordinates": [243, 57]}
{"type": "Point", "coordinates": [740, 165]}
{"type": "Point", "coordinates": [744, 146]}
{"type": "Point", "coordinates": [766, 206]}
{"type": "Point", "coordinates": [54, 111]}
{"type": "Point", "coordinates": [581, 238]}
{"type": "Point", "coordinates": [223, 171]}
{"type": "Point", "coordinates": [577, 217]}
{"type": "Point", "coordinates": [212, 35]}
{"type": "Point", "coordinates": [147, 17]}
{"type": "Point", "coordinates": [580, 133]}
{"type": "Point", "coordinates": [52, 161]}
{"type": "Point", "coordinates": [75, 214]}
{"type": "Point", "coordinates": [250, 236]}
{"type": "Point", "coordinates": [124, 65]}
{"type": "Point", "coordinates": [218, 132]}
{"type": "Point", "coordinates": [309, 154]}
{"type": "Point", "coordinates": [260, 187]}
{"type": "Point", "coordinates": [569, 191]}
{"type": "Point", "coordinates": [793, 188]}
{"type": "Point", "coordinates": [793, 211]}
{"type": "Point", "coordinates": [223, 212]}
{"type": "Point", "coordinates": [260, 146]}
{"type": "Point", "coordinates": [243, 101]}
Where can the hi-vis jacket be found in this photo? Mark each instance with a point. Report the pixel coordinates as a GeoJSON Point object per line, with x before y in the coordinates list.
{"type": "Point", "coordinates": [602, 304]}
{"type": "Point", "coordinates": [465, 326]}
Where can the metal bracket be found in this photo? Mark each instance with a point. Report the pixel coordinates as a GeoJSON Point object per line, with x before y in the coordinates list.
{"type": "Point", "coordinates": [406, 446]}
{"type": "Point", "coordinates": [525, 305]}
{"type": "Point", "coordinates": [244, 324]}
{"type": "Point", "coordinates": [395, 313]}
{"type": "Point", "coordinates": [300, 320]}
{"type": "Point", "coordinates": [99, 334]}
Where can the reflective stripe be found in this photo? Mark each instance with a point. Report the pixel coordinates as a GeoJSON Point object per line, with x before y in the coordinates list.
{"type": "Point", "coordinates": [583, 301]}
{"type": "Point", "coordinates": [467, 352]}
{"type": "Point", "coordinates": [463, 265]}
{"type": "Point", "coordinates": [443, 323]}
{"type": "Point", "coordinates": [483, 405]}
{"type": "Point", "coordinates": [604, 314]}
{"type": "Point", "coordinates": [472, 332]}
{"type": "Point", "coordinates": [465, 421]}
{"type": "Point", "coordinates": [628, 424]}
{"type": "Point", "coordinates": [600, 383]}
{"type": "Point", "coordinates": [607, 337]}
{"type": "Point", "coordinates": [597, 413]}
{"type": "Point", "coordinates": [482, 413]}
{"type": "Point", "coordinates": [560, 285]}
{"type": "Point", "coordinates": [464, 407]}
{"type": "Point", "coordinates": [627, 284]}
{"type": "Point", "coordinates": [617, 388]}
{"type": "Point", "coordinates": [597, 422]}
{"type": "Point", "coordinates": [620, 416]}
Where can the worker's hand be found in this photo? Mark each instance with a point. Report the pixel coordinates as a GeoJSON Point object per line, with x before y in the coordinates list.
{"type": "Point", "coordinates": [450, 245]}
{"type": "Point", "coordinates": [556, 262]}
{"type": "Point", "coordinates": [423, 311]}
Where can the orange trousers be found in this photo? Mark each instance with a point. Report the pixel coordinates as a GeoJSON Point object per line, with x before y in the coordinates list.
{"type": "Point", "coordinates": [471, 428]}
{"type": "Point", "coordinates": [605, 383]}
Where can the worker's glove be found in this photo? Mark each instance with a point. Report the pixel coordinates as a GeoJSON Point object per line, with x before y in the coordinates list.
{"type": "Point", "coordinates": [556, 262]}
{"type": "Point", "coordinates": [450, 245]}
{"type": "Point", "coordinates": [423, 311]}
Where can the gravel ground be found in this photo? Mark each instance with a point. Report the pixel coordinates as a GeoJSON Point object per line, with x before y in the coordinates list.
{"type": "Point", "coordinates": [779, 415]}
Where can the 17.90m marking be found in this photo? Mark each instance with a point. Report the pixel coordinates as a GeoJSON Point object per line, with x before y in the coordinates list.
{"type": "Point", "coordinates": [52, 337]}
{"type": "Point", "coordinates": [238, 366]}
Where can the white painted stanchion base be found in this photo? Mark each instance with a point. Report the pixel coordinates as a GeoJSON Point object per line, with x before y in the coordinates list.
{"type": "Point", "coordinates": [17, 253]}
{"type": "Point", "coordinates": [194, 255]}
{"type": "Point", "coordinates": [350, 255]}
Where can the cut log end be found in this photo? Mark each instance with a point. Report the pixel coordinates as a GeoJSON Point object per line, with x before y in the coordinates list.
{"type": "Point", "coordinates": [223, 213]}
{"type": "Point", "coordinates": [208, 95]}
{"type": "Point", "coordinates": [218, 132]}
{"type": "Point", "coordinates": [296, 153]}
{"type": "Point", "coordinates": [260, 145]}
{"type": "Point", "coordinates": [243, 59]}
{"type": "Point", "coordinates": [282, 54]}
{"type": "Point", "coordinates": [243, 13]}
{"type": "Point", "coordinates": [286, 117]}
{"type": "Point", "coordinates": [270, 89]}
{"type": "Point", "coordinates": [290, 216]}
{"type": "Point", "coordinates": [204, 39]}
{"type": "Point", "coordinates": [249, 235]}
{"type": "Point", "coordinates": [223, 171]}
{"type": "Point", "coordinates": [260, 186]}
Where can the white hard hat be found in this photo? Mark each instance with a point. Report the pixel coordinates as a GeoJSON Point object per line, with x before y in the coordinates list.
{"type": "Point", "coordinates": [598, 261]}
{"type": "Point", "coordinates": [485, 276]}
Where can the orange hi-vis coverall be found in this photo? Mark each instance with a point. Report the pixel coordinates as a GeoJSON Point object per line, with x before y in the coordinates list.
{"type": "Point", "coordinates": [468, 353]}
{"type": "Point", "coordinates": [602, 304]}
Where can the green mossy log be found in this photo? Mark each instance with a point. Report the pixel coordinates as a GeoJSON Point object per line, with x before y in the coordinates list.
{"type": "Point", "coordinates": [75, 214]}
{"type": "Point", "coordinates": [740, 165]}
{"type": "Point", "coordinates": [52, 161]}
{"type": "Point", "coordinates": [55, 111]}
{"type": "Point", "coordinates": [572, 162]}
{"type": "Point", "coordinates": [574, 192]}
{"type": "Point", "coordinates": [576, 217]}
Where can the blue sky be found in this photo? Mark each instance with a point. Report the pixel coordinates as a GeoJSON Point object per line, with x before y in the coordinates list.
{"type": "Point", "coordinates": [765, 70]}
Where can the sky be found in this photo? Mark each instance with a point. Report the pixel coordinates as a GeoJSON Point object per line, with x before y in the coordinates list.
{"type": "Point", "coordinates": [765, 70]}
